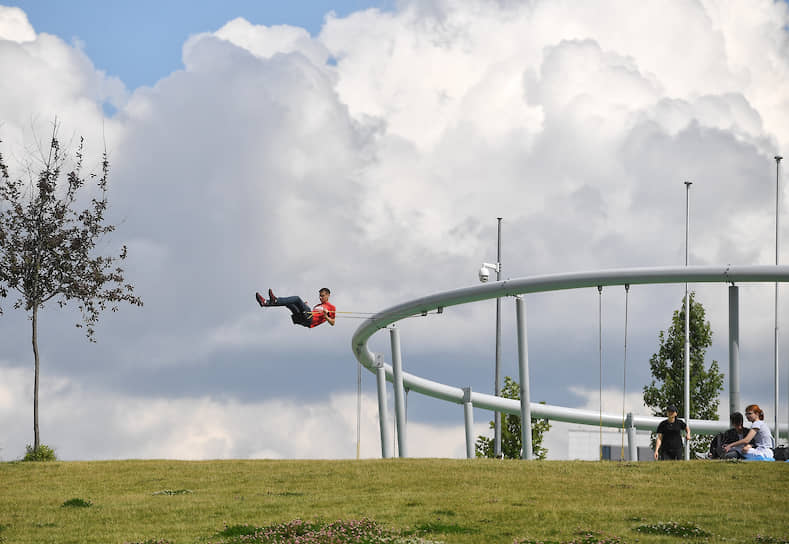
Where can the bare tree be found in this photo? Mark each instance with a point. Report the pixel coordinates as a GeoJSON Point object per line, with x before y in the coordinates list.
{"type": "Point", "coordinates": [48, 246]}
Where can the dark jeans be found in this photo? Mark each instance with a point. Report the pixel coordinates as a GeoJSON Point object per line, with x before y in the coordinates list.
{"type": "Point", "coordinates": [732, 454]}
{"type": "Point", "coordinates": [670, 455]}
{"type": "Point", "coordinates": [294, 304]}
{"type": "Point", "coordinates": [299, 309]}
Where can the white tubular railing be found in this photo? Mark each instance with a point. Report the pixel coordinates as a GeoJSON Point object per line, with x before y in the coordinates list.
{"type": "Point", "coordinates": [539, 284]}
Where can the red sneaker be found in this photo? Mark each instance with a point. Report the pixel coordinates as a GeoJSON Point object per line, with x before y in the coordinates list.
{"type": "Point", "coordinates": [261, 300]}
{"type": "Point", "coordinates": [271, 297]}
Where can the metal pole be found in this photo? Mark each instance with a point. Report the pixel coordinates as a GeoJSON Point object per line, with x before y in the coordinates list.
{"type": "Point", "coordinates": [632, 448]}
{"type": "Point", "coordinates": [358, 410]}
{"type": "Point", "coordinates": [523, 368]}
{"type": "Point", "coordinates": [497, 376]}
{"type": "Point", "coordinates": [687, 319]}
{"type": "Point", "coordinates": [777, 252]}
{"type": "Point", "coordinates": [468, 418]}
{"type": "Point", "coordinates": [399, 391]}
{"type": "Point", "coordinates": [624, 373]}
{"type": "Point", "coordinates": [383, 416]}
{"type": "Point", "coordinates": [734, 349]}
{"type": "Point", "coordinates": [600, 345]}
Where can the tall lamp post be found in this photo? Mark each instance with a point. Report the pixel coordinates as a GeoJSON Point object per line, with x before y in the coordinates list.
{"type": "Point", "coordinates": [687, 320]}
{"type": "Point", "coordinates": [483, 277]}
{"type": "Point", "coordinates": [777, 246]}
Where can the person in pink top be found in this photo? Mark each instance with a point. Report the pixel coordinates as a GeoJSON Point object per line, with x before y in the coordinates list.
{"type": "Point", "coordinates": [301, 314]}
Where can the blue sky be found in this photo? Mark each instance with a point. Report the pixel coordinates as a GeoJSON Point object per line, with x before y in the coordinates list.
{"type": "Point", "coordinates": [372, 154]}
{"type": "Point", "coordinates": [140, 41]}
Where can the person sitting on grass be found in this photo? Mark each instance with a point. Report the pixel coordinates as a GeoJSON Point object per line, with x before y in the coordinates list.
{"type": "Point", "coordinates": [735, 433]}
{"type": "Point", "coordinates": [759, 433]}
{"type": "Point", "coordinates": [301, 314]}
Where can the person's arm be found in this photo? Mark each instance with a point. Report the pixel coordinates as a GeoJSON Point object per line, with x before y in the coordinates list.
{"type": "Point", "coordinates": [327, 314]}
{"type": "Point", "coordinates": [748, 437]}
{"type": "Point", "coordinates": [687, 432]}
{"type": "Point", "coordinates": [658, 441]}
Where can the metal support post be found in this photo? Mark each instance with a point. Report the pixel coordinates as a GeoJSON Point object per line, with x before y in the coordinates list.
{"type": "Point", "coordinates": [497, 373]}
{"type": "Point", "coordinates": [383, 416]}
{"type": "Point", "coordinates": [632, 448]}
{"type": "Point", "coordinates": [468, 417]}
{"type": "Point", "coordinates": [687, 320]}
{"type": "Point", "coordinates": [399, 391]}
{"type": "Point", "coordinates": [777, 260]}
{"type": "Point", "coordinates": [734, 349]}
{"type": "Point", "coordinates": [523, 369]}
{"type": "Point", "coordinates": [687, 368]}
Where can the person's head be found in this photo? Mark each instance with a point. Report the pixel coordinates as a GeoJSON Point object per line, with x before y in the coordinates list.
{"type": "Point", "coordinates": [671, 411]}
{"type": "Point", "coordinates": [753, 412]}
{"type": "Point", "coordinates": [324, 294]}
{"type": "Point", "coordinates": [736, 420]}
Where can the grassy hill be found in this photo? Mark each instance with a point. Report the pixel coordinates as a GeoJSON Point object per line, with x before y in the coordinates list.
{"type": "Point", "coordinates": [452, 501]}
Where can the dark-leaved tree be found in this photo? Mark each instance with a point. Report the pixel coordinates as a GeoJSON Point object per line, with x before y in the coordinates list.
{"type": "Point", "coordinates": [48, 245]}
{"type": "Point", "coordinates": [668, 371]}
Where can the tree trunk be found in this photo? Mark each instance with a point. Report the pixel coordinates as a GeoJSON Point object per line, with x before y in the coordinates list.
{"type": "Point", "coordinates": [36, 440]}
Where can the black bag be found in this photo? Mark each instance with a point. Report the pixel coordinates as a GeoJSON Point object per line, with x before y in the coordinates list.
{"type": "Point", "coordinates": [781, 453]}
{"type": "Point", "coordinates": [715, 446]}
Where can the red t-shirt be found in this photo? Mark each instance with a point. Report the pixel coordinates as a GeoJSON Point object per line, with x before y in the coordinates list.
{"type": "Point", "coordinates": [319, 317]}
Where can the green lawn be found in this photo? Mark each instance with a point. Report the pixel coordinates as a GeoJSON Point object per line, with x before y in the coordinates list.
{"type": "Point", "coordinates": [463, 501]}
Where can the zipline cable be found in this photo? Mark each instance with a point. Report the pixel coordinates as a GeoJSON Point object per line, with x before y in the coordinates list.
{"type": "Point", "coordinates": [369, 315]}
{"type": "Point", "coordinates": [357, 313]}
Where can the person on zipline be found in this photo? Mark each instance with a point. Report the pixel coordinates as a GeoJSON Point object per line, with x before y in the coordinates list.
{"type": "Point", "coordinates": [301, 312]}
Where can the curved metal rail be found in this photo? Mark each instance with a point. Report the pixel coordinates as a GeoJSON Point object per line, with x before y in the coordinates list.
{"type": "Point", "coordinates": [538, 284]}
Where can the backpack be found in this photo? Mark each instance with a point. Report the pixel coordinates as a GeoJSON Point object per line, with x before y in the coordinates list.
{"type": "Point", "coordinates": [781, 453]}
{"type": "Point", "coordinates": [716, 446]}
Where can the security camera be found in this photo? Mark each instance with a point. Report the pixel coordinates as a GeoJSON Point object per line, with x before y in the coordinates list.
{"type": "Point", "coordinates": [484, 274]}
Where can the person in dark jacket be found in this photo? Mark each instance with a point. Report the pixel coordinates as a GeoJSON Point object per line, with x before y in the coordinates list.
{"type": "Point", "coordinates": [733, 434]}
{"type": "Point", "coordinates": [668, 445]}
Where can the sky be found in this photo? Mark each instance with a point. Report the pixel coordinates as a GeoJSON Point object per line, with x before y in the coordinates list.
{"type": "Point", "coordinates": [369, 147]}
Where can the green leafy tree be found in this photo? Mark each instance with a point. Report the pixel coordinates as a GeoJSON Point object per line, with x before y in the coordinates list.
{"type": "Point", "coordinates": [511, 430]}
{"type": "Point", "coordinates": [48, 245]}
{"type": "Point", "coordinates": [43, 453]}
{"type": "Point", "coordinates": [668, 371]}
